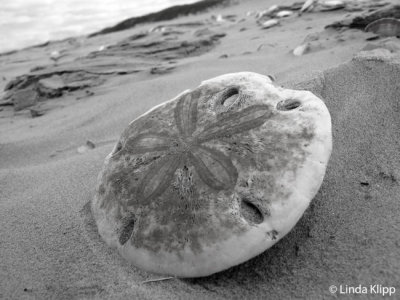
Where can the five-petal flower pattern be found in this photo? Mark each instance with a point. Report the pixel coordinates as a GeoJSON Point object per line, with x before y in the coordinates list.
{"type": "Point", "coordinates": [213, 167]}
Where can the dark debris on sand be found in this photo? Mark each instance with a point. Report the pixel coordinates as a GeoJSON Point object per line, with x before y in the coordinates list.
{"type": "Point", "coordinates": [361, 20]}
{"type": "Point", "coordinates": [164, 15]}
{"type": "Point", "coordinates": [158, 46]}
{"type": "Point", "coordinates": [147, 51]}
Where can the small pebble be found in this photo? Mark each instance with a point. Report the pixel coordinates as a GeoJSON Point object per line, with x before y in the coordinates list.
{"type": "Point", "coordinates": [284, 13]}
{"type": "Point", "coordinates": [36, 112]}
{"type": "Point", "coordinates": [302, 49]}
{"type": "Point", "coordinates": [89, 146]}
{"type": "Point", "coordinates": [270, 23]}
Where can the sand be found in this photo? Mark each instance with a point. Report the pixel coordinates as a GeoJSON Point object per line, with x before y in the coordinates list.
{"type": "Point", "coordinates": [49, 246]}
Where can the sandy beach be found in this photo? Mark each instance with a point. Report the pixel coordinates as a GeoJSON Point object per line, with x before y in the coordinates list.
{"type": "Point", "coordinates": [60, 117]}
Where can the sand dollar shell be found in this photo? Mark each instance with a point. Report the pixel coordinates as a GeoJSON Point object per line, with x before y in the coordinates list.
{"type": "Point", "coordinates": [384, 27]}
{"type": "Point", "coordinates": [213, 177]}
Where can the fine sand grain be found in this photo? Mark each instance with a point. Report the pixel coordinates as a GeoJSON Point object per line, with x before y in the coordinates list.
{"type": "Point", "coordinates": [49, 246]}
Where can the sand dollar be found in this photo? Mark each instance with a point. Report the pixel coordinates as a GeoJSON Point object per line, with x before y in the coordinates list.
{"type": "Point", "coordinates": [213, 177]}
{"type": "Point", "coordinates": [384, 27]}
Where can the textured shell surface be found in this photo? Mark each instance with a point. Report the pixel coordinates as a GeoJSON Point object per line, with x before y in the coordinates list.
{"type": "Point", "coordinates": [213, 177]}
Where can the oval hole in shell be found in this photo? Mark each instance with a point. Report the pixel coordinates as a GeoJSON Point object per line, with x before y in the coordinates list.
{"type": "Point", "coordinates": [229, 96]}
{"type": "Point", "coordinates": [250, 212]}
{"type": "Point", "coordinates": [289, 104]}
{"type": "Point", "coordinates": [126, 231]}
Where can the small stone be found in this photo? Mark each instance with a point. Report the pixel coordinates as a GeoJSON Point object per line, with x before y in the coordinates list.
{"type": "Point", "coordinates": [250, 13]}
{"type": "Point", "coordinates": [55, 56]}
{"type": "Point", "coordinates": [273, 8]}
{"type": "Point", "coordinates": [37, 112]}
{"type": "Point", "coordinates": [269, 23]}
{"type": "Point", "coordinates": [85, 148]}
{"type": "Point", "coordinates": [302, 49]}
{"type": "Point", "coordinates": [218, 18]}
{"type": "Point", "coordinates": [90, 144]}
{"type": "Point", "coordinates": [329, 5]}
{"type": "Point", "coordinates": [307, 6]}
{"type": "Point", "coordinates": [284, 13]}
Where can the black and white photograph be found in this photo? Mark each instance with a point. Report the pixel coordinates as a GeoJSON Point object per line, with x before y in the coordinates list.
{"type": "Point", "coordinates": [199, 149]}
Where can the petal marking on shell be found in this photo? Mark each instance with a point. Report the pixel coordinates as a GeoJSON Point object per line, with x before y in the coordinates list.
{"type": "Point", "coordinates": [158, 177]}
{"type": "Point", "coordinates": [148, 142]}
{"type": "Point", "coordinates": [186, 113]}
{"type": "Point", "coordinates": [214, 168]}
{"type": "Point", "coordinates": [247, 119]}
